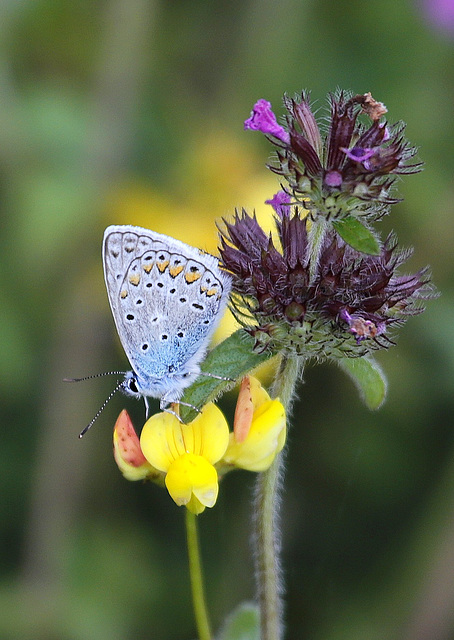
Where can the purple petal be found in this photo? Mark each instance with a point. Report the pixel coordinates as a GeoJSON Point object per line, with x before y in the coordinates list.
{"type": "Point", "coordinates": [280, 203]}
{"type": "Point", "coordinates": [333, 178]}
{"type": "Point", "coordinates": [263, 119]}
{"type": "Point", "coordinates": [358, 154]}
{"type": "Point", "coordinates": [360, 327]}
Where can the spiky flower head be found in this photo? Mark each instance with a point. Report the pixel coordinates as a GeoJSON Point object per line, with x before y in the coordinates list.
{"type": "Point", "coordinates": [345, 168]}
{"type": "Point", "coordinates": [344, 305]}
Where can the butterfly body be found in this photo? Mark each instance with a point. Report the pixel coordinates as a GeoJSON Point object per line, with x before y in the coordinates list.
{"type": "Point", "coordinates": [166, 299]}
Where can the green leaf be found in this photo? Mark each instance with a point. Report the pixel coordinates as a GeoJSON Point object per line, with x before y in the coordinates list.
{"type": "Point", "coordinates": [357, 235]}
{"type": "Point", "coordinates": [368, 377]}
{"type": "Point", "coordinates": [232, 359]}
{"type": "Point", "coordinates": [242, 624]}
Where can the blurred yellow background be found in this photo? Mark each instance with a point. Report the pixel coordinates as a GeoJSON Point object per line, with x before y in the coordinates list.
{"type": "Point", "coordinates": [131, 111]}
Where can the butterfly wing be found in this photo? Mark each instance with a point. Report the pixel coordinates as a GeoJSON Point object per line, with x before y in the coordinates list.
{"type": "Point", "coordinates": [166, 299]}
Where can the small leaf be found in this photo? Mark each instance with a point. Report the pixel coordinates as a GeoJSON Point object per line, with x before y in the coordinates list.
{"type": "Point", "coordinates": [368, 377]}
{"type": "Point", "coordinates": [357, 235]}
{"type": "Point", "coordinates": [231, 359]}
{"type": "Point", "coordinates": [242, 624]}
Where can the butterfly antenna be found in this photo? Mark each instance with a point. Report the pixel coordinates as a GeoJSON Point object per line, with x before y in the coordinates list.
{"type": "Point", "coordinates": [102, 407]}
{"type": "Point", "coordinates": [96, 375]}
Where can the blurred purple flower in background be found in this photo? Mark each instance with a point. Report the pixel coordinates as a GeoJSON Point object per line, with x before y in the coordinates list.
{"type": "Point", "coordinates": [439, 13]}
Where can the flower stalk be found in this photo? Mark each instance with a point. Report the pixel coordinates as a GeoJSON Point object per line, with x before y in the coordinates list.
{"type": "Point", "coordinates": [324, 286]}
{"type": "Point", "coordinates": [196, 578]}
{"type": "Point", "coordinates": [267, 507]}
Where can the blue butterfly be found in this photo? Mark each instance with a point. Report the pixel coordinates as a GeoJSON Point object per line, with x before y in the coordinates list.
{"type": "Point", "coordinates": [166, 299]}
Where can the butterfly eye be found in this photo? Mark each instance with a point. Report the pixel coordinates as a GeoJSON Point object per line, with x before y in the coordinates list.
{"type": "Point", "coordinates": [132, 386]}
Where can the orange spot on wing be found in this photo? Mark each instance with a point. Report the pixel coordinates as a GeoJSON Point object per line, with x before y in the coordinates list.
{"type": "Point", "coordinates": [176, 270]}
{"type": "Point", "coordinates": [192, 276]}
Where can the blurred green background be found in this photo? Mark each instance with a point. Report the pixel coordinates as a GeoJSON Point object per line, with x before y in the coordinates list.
{"type": "Point", "coordinates": [131, 111]}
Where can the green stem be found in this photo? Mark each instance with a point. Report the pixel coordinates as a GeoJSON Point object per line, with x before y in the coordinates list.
{"type": "Point", "coordinates": [267, 503]}
{"type": "Point", "coordinates": [196, 576]}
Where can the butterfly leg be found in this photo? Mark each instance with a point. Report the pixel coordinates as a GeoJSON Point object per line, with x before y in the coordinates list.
{"type": "Point", "coordinates": [147, 407]}
{"type": "Point", "coordinates": [166, 405]}
{"type": "Point", "coordinates": [216, 377]}
{"type": "Point", "coordinates": [191, 406]}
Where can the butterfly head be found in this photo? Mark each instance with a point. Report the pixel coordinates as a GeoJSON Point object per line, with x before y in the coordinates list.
{"type": "Point", "coordinates": [169, 387]}
{"type": "Point", "coordinates": [130, 385]}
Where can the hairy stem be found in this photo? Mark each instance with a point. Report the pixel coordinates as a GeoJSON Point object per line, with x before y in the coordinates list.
{"type": "Point", "coordinates": [267, 503]}
{"type": "Point", "coordinates": [196, 576]}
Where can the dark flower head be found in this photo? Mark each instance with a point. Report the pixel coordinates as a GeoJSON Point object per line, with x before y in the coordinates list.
{"type": "Point", "coordinates": [345, 305]}
{"type": "Point", "coordinates": [345, 169]}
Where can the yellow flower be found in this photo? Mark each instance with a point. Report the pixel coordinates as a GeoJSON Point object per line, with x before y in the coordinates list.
{"type": "Point", "coordinates": [186, 454]}
{"type": "Point", "coordinates": [187, 457]}
{"type": "Point", "coordinates": [259, 428]}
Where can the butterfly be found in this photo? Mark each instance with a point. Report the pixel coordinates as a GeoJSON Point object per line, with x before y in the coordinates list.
{"type": "Point", "coordinates": [167, 299]}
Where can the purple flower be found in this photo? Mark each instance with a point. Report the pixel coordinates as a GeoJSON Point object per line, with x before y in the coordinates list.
{"type": "Point", "coordinates": [280, 203]}
{"type": "Point", "coordinates": [440, 13]}
{"type": "Point", "coordinates": [340, 168]}
{"type": "Point", "coordinates": [345, 306]}
{"type": "Point", "coordinates": [360, 327]}
{"type": "Point", "coordinates": [263, 119]}
{"type": "Point", "coordinates": [357, 154]}
{"type": "Point", "coordinates": [333, 178]}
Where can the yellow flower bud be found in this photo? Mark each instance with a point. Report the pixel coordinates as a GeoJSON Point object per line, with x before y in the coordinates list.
{"type": "Point", "coordinates": [256, 438]}
{"type": "Point", "coordinates": [127, 452]}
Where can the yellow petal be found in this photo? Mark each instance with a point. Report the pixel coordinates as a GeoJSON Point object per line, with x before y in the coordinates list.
{"type": "Point", "coordinates": [265, 439]}
{"type": "Point", "coordinates": [258, 394]}
{"type": "Point", "coordinates": [213, 433]}
{"type": "Point", "coordinates": [127, 453]}
{"type": "Point", "coordinates": [191, 479]}
{"type": "Point", "coordinates": [161, 440]}
{"type": "Point", "coordinates": [164, 438]}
